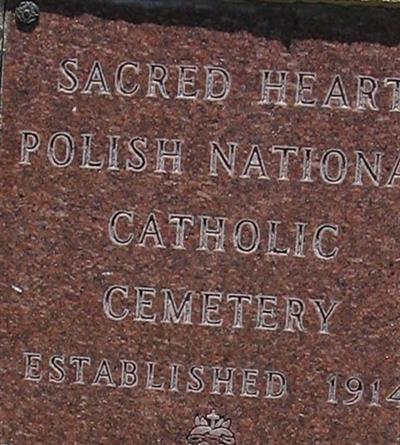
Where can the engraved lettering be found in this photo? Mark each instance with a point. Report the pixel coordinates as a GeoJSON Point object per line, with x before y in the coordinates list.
{"type": "Point", "coordinates": [175, 154]}
{"type": "Point", "coordinates": [97, 80]}
{"type": "Point", "coordinates": [239, 301]}
{"type": "Point", "coordinates": [30, 142]}
{"type": "Point", "coordinates": [396, 92]}
{"type": "Point", "coordinates": [284, 164]}
{"type": "Point", "coordinates": [304, 86]}
{"type": "Point", "coordinates": [140, 164]}
{"type": "Point", "coordinates": [175, 314]}
{"type": "Point", "coordinates": [268, 85]}
{"type": "Point", "coordinates": [325, 315]}
{"type": "Point", "coordinates": [255, 162]}
{"type": "Point", "coordinates": [87, 161]}
{"type": "Point", "coordinates": [218, 233]}
{"type": "Point", "coordinates": [249, 381]}
{"type": "Point", "coordinates": [276, 385]}
{"type": "Point", "coordinates": [150, 382]}
{"type": "Point", "coordinates": [196, 384]}
{"type": "Point", "coordinates": [253, 232]}
{"type": "Point", "coordinates": [366, 92]}
{"type": "Point", "coordinates": [144, 301]}
{"type": "Point", "coordinates": [337, 94]}
{"type": "Point", "coordinates": [186, 82]}
{"type": "Point", "coordinates": [264, 313]}
{"type": "Point", "coordinates": [227, 160]}
{"type": "Point", "coordinates": [79, 362]}
{"type": "Point", "coordinates": [32, 366]}
{"type": "Point", "coordinates": [56, 363]}
{"type": "Point", "coordinates": [317, 243]}
{"type": "Point", "coordinates": [295, 315]}
{"type": "Point", "coordinates": [363, 165]}
{"type": "Point", "coordinates": [211, 303]}
{"type": "Point", "coordinates": [129, 377]}
{"type": "Point", "coordinates": [108, 303]}
{"type": "Point", "coordinates": [272, 240]}
{"type": "Point", "coordinates": [151, 230]}
{"type": "Point", "coordinates": [103, 374]}
{"type": "Point", "coordinates": [158, 76]}
{"type": "Point", "coordinates": [219, 379]}
{"type": "Point", "coordinates": [218, 83]}
{"type": "Point", "coordinates": [113, 224]}
{"type": "Point", "coordinates": [120, 85]}
{"type": "Point", "coordinates": [341, 159]}
{"type": "Point", "coordinates": [307, 164]}
{"type": "Point", "coordinates": [113, 152]}
{"type": "Point", "coordinates": [181, 222]}
{"type": "Point", "coordinates": [395, 173]}
{"type": "Point", "coordinates": [57, 142]}
{"type": "Point", "coordinates": [66, 69]}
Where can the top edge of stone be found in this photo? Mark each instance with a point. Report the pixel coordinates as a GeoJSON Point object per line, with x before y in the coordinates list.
{"type": "Point", "coordinates": [384, 3]}
{"type": "Point", "coordinates": [216, 3]}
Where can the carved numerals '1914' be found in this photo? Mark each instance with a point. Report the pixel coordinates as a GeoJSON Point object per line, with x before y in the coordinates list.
{"type": "Point", "coordinates": [355, 390]}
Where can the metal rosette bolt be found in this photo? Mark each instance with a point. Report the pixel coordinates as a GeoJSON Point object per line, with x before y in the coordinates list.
{"type": "Point", "coordinates": [27, 13]}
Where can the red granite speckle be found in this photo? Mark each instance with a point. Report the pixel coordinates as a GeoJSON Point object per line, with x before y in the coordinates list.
{"type": "Point", "coordinates": [57, 260]}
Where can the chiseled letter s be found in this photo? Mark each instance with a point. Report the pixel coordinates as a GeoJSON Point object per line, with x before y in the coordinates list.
{"type": "Point", "coordinates": [66, 67]}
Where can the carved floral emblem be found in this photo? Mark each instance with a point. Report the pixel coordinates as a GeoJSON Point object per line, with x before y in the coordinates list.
{"type": "Point", "coordinates": [211, 430]}
{"type": "Point", "coordinates": [27, 12]}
